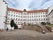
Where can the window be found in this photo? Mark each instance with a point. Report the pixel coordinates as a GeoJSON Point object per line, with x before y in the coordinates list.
{"type": "Point", "coordinates": [8, 14]}
{"type": "Point", "coordinates": [16, 22]}
{"type": "Point", "coordinates": [8, 21]}
{"type": "Point", "coordinates": [16, 18]}
{"type": "Point", "coordinates": [43, 12]}
{"type": "Point", "coordinates": [14, 15]}
{"type": "Point", "coordinates": [31, 16]}
{"type": "Point", "coordinates": [34, 16]}
{"type": "Point", "coordinates": [44, 18]}
{"type": "Point", "coordinates": [21, 19]}
{"type": "Point", "coordinates": [39, 16]}
{"type": "Point", "coordinates": [8, 18]}
{"type": "Point", "coordinates": [43, 15]}
{"type": "Point", "coordinates": [21, 16]}
{"type": "Point", "coordinates": [11, 15]}
{"type": "Point", "coordinates": [46, 15]}
{"type": "Point", "coordinates": [39, 19]}
{"type": "Point", "coordinates": [11, 18]}
{"type": "Point", "coordinates": [34, 19]}
{"type": "Point", "coordinates": [8, 11]}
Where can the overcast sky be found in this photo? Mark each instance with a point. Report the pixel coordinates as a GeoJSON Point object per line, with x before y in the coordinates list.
{"type": "Point", "coordinates": [29, 4]}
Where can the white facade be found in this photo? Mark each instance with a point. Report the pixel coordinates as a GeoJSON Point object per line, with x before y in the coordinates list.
{"type": "Point", "coordinates": [50, 15]}
{"type": "Point", "coordinates": [50, 9]}
{"type": "Point", "coordinates": [3, 11]}
{"type": "Point", "coordinates": [32, 17]}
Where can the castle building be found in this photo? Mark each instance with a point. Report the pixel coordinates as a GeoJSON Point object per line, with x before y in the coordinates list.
{"type": "Point", "coordinates": [23, 16]}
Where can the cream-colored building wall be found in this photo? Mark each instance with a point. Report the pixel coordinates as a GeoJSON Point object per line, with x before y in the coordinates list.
{"type": "Point", "coordinates": [50, 17]}
{"type": "Point", "coordinates": [27, 17]}
{"type": "Point", "coordinates": [50, 14]}
{"type": "Point", "coordinates": [3, 11]}
{"type": "Point", "coordinates": [50, 9]}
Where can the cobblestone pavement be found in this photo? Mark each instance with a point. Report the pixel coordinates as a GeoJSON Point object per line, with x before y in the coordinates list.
{"type": "Point", "coordinates": [25, 35]}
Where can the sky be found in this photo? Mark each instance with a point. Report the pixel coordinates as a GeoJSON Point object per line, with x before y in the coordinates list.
{"type": "Point", "coordinates": [29, 4]}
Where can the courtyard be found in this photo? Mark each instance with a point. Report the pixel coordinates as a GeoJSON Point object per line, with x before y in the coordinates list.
{"type": "Point", "coordinates": [25, 35]}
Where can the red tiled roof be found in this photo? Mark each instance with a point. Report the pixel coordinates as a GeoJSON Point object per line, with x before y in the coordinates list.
{"type": "Point", "coordinates": [35, 11]}
{"type": "Point", "coordinates": [31, 11]}
{"type": "Point", "coordinates": [11, 9]}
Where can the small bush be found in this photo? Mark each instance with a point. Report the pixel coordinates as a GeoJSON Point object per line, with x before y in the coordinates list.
{"type": "Point", "coordinates": [43, 23]}
{"type": "Point", "coordinates": [48, 23]}
{"type": "Point", "coordinates": [15, 26]}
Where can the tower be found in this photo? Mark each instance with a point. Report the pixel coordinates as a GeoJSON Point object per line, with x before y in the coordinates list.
{"type": "Point", "coordinates": [3, 12]}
